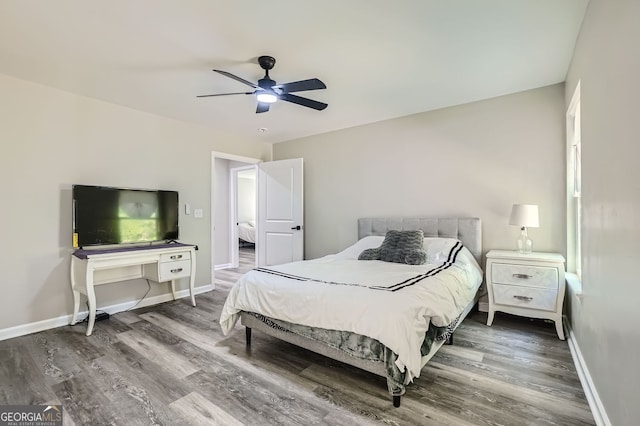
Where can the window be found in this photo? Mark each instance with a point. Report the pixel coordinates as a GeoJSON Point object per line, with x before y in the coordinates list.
{"type": "Point", "coordinates": [574, 185]}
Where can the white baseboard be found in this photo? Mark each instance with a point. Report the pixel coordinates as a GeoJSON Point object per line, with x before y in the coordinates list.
{"type": "Point", "coordinates": [483, 306]}
{"type": "Point", "coordinates": [34, 327]}
{"type": "Point", "coordinates": [223, 266]}
{"type": "Point", "coordinates": [597, 408]}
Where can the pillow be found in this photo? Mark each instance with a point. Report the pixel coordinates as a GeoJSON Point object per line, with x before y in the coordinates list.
{"type": "Point", "coordinates": [399, 247]}
{"type": "Point", "coordinates": [252, 223]}
{"type": "Point", "coordinates": [416, 257]}
{"type": "Point", "coordinates": [370, 254]}
{"type": "Point", "coordinates": [353, 251]}
{"type": "Point", "coordinates": [438, 248]}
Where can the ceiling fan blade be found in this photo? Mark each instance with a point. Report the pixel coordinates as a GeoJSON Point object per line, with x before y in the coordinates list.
{"type": "Point", "coordinates": [235, 77]}
{"type": "Point", "coordinates": [310, 103]}
{"type": "Point", "coordinates": [225, 94]}
{"type": "Point", "coordinates": [301, 86]}
{"type": "Point", "coordinates": [262, 107]}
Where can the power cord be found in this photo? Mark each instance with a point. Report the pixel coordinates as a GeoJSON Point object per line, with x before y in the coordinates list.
{"type": "Point", "coordinates": [86, 319]}
{"type": "Point", "coordinates": [145, 295]}
{"type": "Point", "coordinates": [100, 312]}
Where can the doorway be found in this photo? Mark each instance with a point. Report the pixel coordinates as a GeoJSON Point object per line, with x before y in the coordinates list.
{"type": "Point", "coordinates": [279, 233]}
{"type": "Point", "coordinates": [243, 214]}
{"type": "Point", "coordinates": [224, 233]}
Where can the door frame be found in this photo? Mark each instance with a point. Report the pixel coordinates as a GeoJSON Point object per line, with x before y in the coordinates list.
{"type": "Point", "coordinates": [224, 156]}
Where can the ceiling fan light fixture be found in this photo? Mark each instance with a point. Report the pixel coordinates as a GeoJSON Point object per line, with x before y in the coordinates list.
{"type": "Point", "coordinates": [267, 97]}
{"type": "Point", "coordinates": [267, 91]}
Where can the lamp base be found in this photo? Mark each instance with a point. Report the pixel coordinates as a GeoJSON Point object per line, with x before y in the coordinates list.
{"type": "Point", "coordinates": [525, 245]}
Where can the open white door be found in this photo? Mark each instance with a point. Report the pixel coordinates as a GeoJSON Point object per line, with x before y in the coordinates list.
{"type": "Point", "coordinates": [280, 213]}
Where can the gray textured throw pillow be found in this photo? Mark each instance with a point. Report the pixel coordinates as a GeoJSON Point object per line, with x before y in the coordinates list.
{"type": "Point", "coordinates": [416, 257]}
{"type": "Point", "coordinates": [399, 247]}
{"type": "Point", "coordinates": [397, 244]}
{"type": "Point", "coordinates": [370, 254]}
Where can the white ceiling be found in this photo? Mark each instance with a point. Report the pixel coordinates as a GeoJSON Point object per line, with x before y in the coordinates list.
{"type": "Point", "coordinates": [379, 59]}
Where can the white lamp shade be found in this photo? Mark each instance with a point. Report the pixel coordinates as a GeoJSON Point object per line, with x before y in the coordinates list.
{"type": "Point", "coordinates": [525, 215]}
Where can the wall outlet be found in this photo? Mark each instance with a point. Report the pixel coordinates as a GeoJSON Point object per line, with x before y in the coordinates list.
{"type": "Point", "coordinates": [198, 213]}
{"type": "Point", "coordinates": [187, 208]}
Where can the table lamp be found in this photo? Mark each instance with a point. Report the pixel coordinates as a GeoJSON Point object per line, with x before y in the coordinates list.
{"type": "Point", "coordinates": [525, 216]}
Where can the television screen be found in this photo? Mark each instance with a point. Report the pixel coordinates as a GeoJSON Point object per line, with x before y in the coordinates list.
{"type": "Point", "coordinates": [104, 215]}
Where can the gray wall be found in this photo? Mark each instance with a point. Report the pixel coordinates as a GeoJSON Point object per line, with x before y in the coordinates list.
{"type": "Point", "coordinates": [222, 221]}
{"type": "Point", "coordinates": [247, 197]}
{"type": "Point", "coordinates": [607, 62]}
{"type": "Point", "coordinates": [52, 139]}
{"type": "Point", "coordinates": [475, 159]}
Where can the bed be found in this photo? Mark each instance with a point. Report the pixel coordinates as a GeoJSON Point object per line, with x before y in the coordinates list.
{"type": "Point", "coordinates": [247, 232]}
{"type": "Point", "coordinates": [383, 317]}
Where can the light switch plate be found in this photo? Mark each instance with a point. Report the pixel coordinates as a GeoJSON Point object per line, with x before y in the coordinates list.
{"type": "Point", "coordinates": [197, 213]}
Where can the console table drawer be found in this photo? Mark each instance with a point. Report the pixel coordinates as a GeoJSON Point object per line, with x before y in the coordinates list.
{"type": "Point", "coordinates": [172, 257]}
{"type": "Point", "coordinates": [525, 297]}
{"type": "Point", "coordinates": [172, 270]}
{"type": "Point", "coordinates": [525, 275]}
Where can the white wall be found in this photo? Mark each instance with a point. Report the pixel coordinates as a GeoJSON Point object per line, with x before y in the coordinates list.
{"type": "Point", "coordinates": [222, 221]}
{"type": "Point", "coordinates": [52, 139]}
{"type": "Point", "coordinates": [605, 323]}
{"type": "Point", "coordinates": [476, 160]}
{"type": "Point", "coordinates": [247, 198]}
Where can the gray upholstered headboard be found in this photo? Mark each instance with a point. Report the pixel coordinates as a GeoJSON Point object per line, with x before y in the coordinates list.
{"type": "Point", "coordinates": [467, 229]}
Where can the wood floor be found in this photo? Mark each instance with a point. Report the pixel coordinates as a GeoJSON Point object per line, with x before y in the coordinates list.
{"type": "Point", "coordinates": [170, 365]}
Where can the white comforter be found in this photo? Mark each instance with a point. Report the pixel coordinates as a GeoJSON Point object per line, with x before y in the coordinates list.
{"type": "Point", "coordinates": [247, 232]}
{"type": "Point", "coordinates": [393, 303]}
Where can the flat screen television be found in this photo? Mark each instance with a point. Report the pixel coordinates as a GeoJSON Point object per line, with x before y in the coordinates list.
{"type": "Point", "coordinates": [106, 215]}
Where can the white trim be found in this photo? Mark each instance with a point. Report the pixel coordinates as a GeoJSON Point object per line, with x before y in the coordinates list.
{"type": "Point", "coordinates": [34, 327]}
{"type": "Point", "coordinates": [575, 286]}
{"type": "Point", "coordinates": [234, 157]}
{"type": "Point", "coordinates": [572, 235]}
{"type": "Point", "coordinates": [224, 266]}
{"type": "Point", "coordinates": [597, 408]}
{"type": "Point", "coordinates": [575, 98]}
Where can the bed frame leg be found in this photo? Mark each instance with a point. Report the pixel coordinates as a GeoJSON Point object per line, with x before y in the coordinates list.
{"type": "Point", "coordinates": [247, 333]}
{"type": "Point", "coordinates": [396, 401]}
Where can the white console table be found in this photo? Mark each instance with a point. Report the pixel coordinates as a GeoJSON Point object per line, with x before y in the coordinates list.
{"type": "Point", "coordinates": [159, 263]}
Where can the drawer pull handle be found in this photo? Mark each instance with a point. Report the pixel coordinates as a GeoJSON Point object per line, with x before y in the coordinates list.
{"type": "Point", "coordinates": [523, 276]}
{"type": "Point", "coordinates": [175, 271]}
{"type": "Point", "coordinates": [176, 256]}
{"type": "Point", "coordinates": [525, 298]}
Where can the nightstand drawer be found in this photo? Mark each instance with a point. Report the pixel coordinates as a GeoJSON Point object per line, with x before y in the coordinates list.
{"type": "Point", "coordinates": [525, 297]}
{"type": "Point", "coordinates": [525, 275]}
{"type": "Point", "coordinates": [172, 270]}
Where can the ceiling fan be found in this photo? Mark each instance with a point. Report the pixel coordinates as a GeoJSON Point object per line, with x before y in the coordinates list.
{"type": "Point", "coordinates": [268, 92]}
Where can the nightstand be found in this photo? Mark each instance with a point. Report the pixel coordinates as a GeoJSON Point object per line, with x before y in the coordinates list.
{"type": "Point", "coordinates": [530, 285]}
